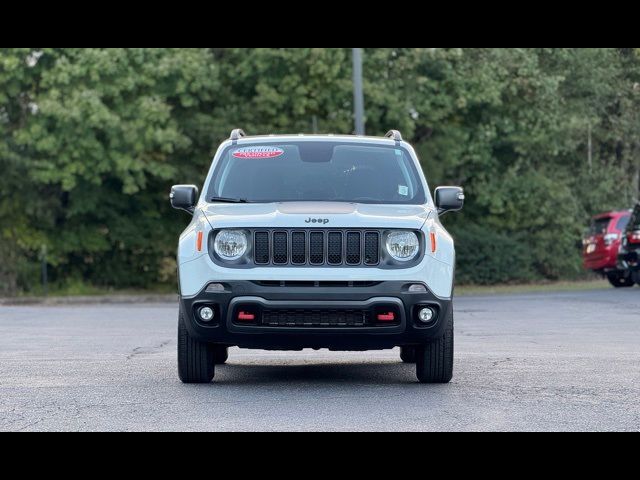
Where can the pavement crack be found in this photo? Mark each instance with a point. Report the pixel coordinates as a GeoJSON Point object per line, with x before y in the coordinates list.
{"type": "Point", "coordinates": [499, 362]}
{"type": "Point", "coordinates": [147, 350]}
{"type": "Point", "coordinates": [32, 424]}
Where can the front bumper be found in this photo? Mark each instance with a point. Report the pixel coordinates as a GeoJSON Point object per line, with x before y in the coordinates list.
{"type": "Point", "coordinates": [320, 300]}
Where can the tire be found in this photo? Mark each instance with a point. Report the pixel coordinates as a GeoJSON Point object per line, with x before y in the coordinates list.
{"type": "Point", "coordinates": [620, 280]}
{"type": "Point", "coordinates": [434, 361]}
{"type": "Point", "coordinates": [408, 354]}
{"type": "Point", "coordinates": [220, 355]}
{"type": "Point", "coordinates": [195, 359]}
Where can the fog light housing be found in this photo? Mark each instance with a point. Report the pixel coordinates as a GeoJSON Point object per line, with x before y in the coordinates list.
{"type": "Point", "coordinates": [426, 315]}
{"type": "Point", "coordinates": [206, 314]}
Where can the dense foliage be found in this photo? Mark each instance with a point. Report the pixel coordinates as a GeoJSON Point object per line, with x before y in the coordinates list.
{"type": "Point", "coordinates": [92, 139]}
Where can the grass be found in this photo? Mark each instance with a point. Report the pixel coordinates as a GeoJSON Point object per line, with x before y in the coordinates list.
{"type": "Point", "coordinates": [561, 286]}
{"type": "Point", "coordinates": [77, 289]}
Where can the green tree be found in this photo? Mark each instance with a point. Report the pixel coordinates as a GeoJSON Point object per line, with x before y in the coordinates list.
{"type": "Point", "coordinates": [92, 139]}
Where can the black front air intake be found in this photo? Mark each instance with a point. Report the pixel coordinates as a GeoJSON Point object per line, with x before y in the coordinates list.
{"type": "Point", "coordinates": [317, 247]}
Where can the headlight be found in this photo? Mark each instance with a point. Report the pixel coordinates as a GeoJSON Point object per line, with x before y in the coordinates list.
{"type": "Point", "coordinates": [403, 246]}
{"type": "Point", "coordinates": [230, 244]}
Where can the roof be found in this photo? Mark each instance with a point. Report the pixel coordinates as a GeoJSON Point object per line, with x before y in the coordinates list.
{"type": "Point", "coordinates": [615, 213]}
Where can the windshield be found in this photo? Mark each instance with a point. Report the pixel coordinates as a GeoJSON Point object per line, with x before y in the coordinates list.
{"type": "Point", "coordinates": [317, 171]}
{"type": "Point", "coordinates": [623, 222]}
{"type": "Point", "coordinates": [599, 226]}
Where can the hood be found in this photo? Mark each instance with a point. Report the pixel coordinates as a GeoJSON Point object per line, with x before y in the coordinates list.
{"type": "Point", "coordinates": [315, 214]}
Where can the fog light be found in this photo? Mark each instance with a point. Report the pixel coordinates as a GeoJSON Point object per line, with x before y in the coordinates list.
{"type": "Point", "coordinates": [206, 314]}
{"type": "Point", "coordinates": [426, 314]}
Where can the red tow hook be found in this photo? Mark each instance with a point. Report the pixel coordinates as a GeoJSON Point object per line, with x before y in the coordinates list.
{"type": "Point", "coordinates": [386, 317]}
{"type": "Point", "coordinates": [246, 317]}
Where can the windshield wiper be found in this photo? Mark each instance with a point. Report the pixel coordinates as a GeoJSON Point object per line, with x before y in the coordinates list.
{"type": "Point", "coordinates": [228, 200]}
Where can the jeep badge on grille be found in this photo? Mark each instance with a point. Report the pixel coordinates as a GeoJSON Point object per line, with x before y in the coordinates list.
{"type": "Point", "coordinates": [324, 221]}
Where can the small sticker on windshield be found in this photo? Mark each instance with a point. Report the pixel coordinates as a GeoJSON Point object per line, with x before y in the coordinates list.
{"type": "Point", "coordinates": [399, 153]}
{"type": "Point", "coordinates": [403, 190]}
{"type": "Point", "coordinates": [258, 152]}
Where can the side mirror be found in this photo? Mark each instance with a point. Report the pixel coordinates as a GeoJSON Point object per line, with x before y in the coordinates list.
{"type": "Point", "coordinates": [449, 199]}
{"type": "Point", "coordinates": [184, 197]}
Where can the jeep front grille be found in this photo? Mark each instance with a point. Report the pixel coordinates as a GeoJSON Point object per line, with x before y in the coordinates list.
{"type": "Point", "coordinates": [317, 247]}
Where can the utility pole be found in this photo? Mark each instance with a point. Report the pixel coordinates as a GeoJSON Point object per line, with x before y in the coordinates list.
{"type": "Point", "coordinates": [358, 95]}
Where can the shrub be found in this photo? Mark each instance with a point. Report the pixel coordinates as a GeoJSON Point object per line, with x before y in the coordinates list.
{"type": "Point", "coordinates": [486, 257]}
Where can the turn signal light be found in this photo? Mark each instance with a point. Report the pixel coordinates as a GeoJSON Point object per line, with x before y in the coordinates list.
{"type": "Point", "coordinates": [199, 241]}
{"type": "Point", "coordinates": [433, 242]}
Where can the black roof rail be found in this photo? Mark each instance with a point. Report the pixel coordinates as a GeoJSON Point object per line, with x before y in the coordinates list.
{"type": "Point", "coordinates": [237, 134]}
{"type": "Point", "coordinates": [395, 134]}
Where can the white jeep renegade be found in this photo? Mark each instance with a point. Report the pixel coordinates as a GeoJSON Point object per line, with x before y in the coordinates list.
{"type": "Point", "coordinates": [316, 242]}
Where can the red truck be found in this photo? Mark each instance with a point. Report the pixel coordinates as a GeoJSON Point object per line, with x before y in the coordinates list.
{"type": "Point", "coordinates": [601, 245]}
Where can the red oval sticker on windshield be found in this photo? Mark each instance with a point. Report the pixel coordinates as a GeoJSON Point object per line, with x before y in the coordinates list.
{"type": "Point", "coordinates": [258, 152]}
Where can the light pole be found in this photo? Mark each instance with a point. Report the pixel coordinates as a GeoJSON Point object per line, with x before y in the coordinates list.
{"type": "Point", "coordinates": [358, 95]}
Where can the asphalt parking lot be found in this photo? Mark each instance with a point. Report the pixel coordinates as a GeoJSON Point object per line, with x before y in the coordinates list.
{"type": "Point", "coordinates": [563, 361]}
